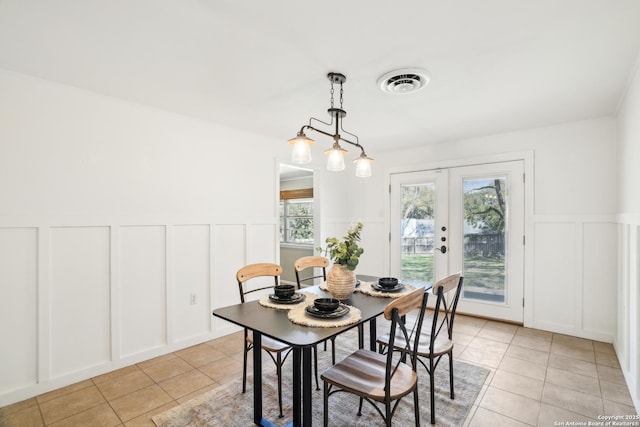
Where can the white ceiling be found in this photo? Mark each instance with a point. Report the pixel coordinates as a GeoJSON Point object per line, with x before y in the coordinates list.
{"type": "Point", "coordinates": [496, 65]}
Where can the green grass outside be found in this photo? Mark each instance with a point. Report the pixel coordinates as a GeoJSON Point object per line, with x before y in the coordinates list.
{"type": "Point", "coordinates": [418, 267]}
{"type": "Point", "coordinates": [483, 272]}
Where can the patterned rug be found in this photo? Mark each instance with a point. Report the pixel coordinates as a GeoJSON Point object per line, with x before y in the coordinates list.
{"type": "Point", "coordinates": [227, 406]}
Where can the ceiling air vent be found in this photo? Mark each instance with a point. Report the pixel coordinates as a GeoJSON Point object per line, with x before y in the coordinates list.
{"type": "Point", "coordinates": [400, 82]}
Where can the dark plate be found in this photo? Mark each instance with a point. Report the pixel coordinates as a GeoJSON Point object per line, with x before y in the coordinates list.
{"type": "Point", "coordinates": [293, 299]}
{"type": "Point", "coordinates": [395, 288]}
{"type": "Point", "coordinates": [339, 312]}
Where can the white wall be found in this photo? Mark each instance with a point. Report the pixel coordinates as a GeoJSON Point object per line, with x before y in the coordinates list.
{"type": "Point", "coordinates": [627, 338]}
{"type": "Point", "coordinates": [572, 245]}
{"type": "Point", "coordinates": [111, 216]}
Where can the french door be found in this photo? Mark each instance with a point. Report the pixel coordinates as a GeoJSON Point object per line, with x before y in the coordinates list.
{"type": "Point", "coordinates": [468, 219]}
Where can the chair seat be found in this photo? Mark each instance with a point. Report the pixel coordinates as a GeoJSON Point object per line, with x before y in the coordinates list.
{"type": "Point", "coordinates": [363, 373]}
{"type": "Point", "coordinates": [442, 345]}
{"type": "Point", "coordinates": [269, 344]}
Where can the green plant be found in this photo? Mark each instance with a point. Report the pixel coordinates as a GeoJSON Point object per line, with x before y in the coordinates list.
{"type": "Point", "coordinates": [346, 251]}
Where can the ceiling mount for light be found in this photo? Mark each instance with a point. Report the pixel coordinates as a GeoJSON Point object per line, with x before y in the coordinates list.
{"type": "Point", "coordinates": [335, 155]}
{"type": "Point", "coordinates": [404, 81]}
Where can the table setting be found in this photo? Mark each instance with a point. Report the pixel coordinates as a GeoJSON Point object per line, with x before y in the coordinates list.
{"type": "Point", "coordinates": [310, 309]}
{"type": "Point", "coordinates": [313, 310]}
{"type": "Point", "coordinates": [324, 313]}
{"type": "Point", "coordinates": [385, 287]}
{"type": "Point", "coordinates": [284, 297]}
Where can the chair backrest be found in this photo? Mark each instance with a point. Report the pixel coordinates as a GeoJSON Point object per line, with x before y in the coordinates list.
{"type": "Point", "coordinates": [305, 262]}
{"type": "Point", "coordinates": [446, 305]}
{"type": "Point", "coordinates": [396, 311]}
{"type": "Point", "coordinates": [251, 271]}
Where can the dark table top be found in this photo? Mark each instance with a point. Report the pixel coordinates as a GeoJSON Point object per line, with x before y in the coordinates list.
{"type": "Point", "coordinates": [275, 324]}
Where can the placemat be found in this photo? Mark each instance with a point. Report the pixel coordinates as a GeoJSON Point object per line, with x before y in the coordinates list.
{"type": "Point", "coordinates": [299, 316]}
{"type": "Point", "coordinates": [365, 288]}
{"type": "Point", "coordinates": [265, 301]}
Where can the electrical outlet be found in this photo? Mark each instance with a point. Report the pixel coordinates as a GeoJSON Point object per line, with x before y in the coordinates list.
{"type": "Point", "coordinates": [193, 299]}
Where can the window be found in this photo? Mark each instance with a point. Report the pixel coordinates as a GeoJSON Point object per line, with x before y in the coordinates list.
{"type": "Point", "coordinates": [296, 221]}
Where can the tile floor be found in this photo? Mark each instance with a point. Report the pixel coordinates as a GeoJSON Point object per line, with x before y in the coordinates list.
{"type": "Point", "coordinates": [537, 378]}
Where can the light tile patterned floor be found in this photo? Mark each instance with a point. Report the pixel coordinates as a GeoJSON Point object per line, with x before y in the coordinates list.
{"type": "Point", "coordinates": [537, 378]}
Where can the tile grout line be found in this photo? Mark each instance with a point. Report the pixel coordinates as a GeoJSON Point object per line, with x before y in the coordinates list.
{"type": "Point", "coordinates": [107, 400]}
{"type": "Point", "coordinates": [40, 411]}
{"type": "Point", "coordinates": [511, 418]}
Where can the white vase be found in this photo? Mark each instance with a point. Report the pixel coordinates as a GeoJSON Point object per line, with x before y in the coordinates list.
{"type": "Point", "coordinates": [341, 282]}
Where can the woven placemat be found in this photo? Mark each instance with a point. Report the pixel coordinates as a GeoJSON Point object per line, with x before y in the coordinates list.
{"type": "Point", "coordinates": [265, 301]}
{"type": "Point", "coordinates": [365, 288]}
{"type": "Point", "coordinates": [299, 316]}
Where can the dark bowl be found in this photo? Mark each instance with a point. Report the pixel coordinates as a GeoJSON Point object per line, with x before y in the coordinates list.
{"type": "Point", "coordinates": [388, 282]}
{"type": "Point", "coordinates": [284, 291]}
{"type": "Point", "coordinates": [326, 304]}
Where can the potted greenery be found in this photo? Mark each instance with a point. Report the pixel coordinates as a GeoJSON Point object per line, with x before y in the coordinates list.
{"type": "Point", "coordinates": [345, 254]}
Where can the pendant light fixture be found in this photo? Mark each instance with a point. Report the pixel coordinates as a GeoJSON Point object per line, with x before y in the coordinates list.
{"type": "Point", "coordinates": [335, 155]}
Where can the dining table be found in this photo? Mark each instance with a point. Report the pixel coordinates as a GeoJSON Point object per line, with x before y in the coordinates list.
{"type": "Point", "coordinates": [265, 321]}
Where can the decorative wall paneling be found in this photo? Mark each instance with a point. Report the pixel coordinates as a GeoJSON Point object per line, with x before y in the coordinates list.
{"type": "Point", "coordinates": [143, 287]}
{"type": "Point", "coordinates": [89, 298]}
{"type": "Point", "coordinates": [191, 256]}
{"type": "Point", "coordinates": [628, 303]}
{"type": "Point", "coordinates": [79, 294]}
{"type": "Point", "coordinates": [19, 306]}
{"type": "Point", "coordinates": [575, 261]}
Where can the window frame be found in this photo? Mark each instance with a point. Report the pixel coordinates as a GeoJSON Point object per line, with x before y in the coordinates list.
{"type": "Point", "coordinates": [291, 197]}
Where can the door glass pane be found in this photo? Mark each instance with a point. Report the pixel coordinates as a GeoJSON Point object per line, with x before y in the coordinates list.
{"type": "Point", "coordinates": [417, 232]}
{"type": "Point", "coordinates": [485, 219]}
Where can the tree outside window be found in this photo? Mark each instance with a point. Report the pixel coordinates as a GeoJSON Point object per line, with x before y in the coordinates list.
{"type": "Point", "coordinates": [296, 221]}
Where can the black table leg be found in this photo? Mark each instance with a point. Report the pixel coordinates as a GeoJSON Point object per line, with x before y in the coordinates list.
{"type": "Point", "coordinates": [297, 381]}
{"type": "Point", "coordinates": [307, 412]}
{"type": "Point", "coordinates": [257, 378]}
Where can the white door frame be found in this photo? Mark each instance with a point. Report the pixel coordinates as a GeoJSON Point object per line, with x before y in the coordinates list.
{"type": "Point", "coordinates": [528, 158]}
{"type": "Point", "coordinates": [317, 202]}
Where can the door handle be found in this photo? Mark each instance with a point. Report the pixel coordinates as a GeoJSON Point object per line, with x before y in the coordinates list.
{"type": "Point", "coordinates": [442, 249]}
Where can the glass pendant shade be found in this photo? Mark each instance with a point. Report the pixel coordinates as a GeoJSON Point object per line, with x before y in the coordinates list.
{"type": "Point", "coordinates": [301, 153]}
{"type": "Point", "coordinates": [363, 166]}
{"type": "Point", "coordinates": [335, 159]}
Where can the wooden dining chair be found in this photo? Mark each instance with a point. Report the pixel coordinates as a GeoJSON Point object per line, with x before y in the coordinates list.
{"type": "Point", "coordinates": [383, 378]}
{"type": "Point", "coordinates": [277, 350]}
{"type": "Point", "coordinates": [436, 341]}
{"type": "Point", "coordinates": [306, 265]}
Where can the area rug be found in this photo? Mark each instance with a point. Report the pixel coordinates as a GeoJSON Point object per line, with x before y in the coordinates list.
{"type": "Point", "coordinates": [227, 406]}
